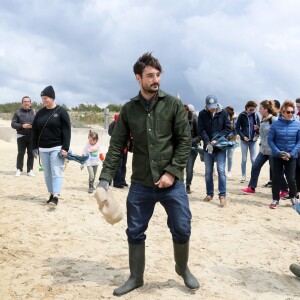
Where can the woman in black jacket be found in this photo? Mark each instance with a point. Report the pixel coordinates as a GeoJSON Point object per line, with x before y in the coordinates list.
{"type": "Point", "coordinates": [51, 130]}
{"type": "Point", "coordinates": [247, 127]}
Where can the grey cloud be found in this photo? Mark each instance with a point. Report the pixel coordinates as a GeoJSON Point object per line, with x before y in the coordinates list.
{"type": "Point", "coordinates": [234, 49]}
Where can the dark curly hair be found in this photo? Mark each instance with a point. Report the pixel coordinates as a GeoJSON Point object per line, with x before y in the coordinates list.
{"type": "Point", "coordinates": [146, 60]}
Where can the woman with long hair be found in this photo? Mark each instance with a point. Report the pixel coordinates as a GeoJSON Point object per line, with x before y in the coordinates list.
{"type": "Point", "coordinates": [247, 126]}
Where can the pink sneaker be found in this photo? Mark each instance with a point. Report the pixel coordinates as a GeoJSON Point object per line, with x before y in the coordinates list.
{"type": "Point", "coordinates": [248, 190]}
{"type": "Point", "coordinates": [283, 194]}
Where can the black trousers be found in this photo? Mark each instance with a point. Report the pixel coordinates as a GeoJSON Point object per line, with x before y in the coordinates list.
{"type": "Point", "coordinates": [289, 169]}
{"type": "Point", "coordinates": [120, 174]}
{"type": "Point", "coordinates": [298, 174]}
{"type": "Point", "coordinates": [24, 143]}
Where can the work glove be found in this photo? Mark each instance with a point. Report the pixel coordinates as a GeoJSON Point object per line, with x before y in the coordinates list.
{"type": "Point", "coordinates": [35, 153]}
{"type": "Point", "coordinates": [209, 149]}
{"type": "Point", "coordinates": [284, 155]}
{"type": "Point", "coordinates": [103, 184]}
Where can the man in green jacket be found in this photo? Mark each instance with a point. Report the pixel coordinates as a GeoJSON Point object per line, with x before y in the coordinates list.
{"type": "Point", "coordinates": [161, 146]}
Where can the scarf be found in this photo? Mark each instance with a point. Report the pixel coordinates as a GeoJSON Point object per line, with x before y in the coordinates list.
{"type": "Point", "coordinates": [91, 148]}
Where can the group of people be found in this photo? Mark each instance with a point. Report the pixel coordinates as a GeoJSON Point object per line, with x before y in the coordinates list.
{"type": "Point", "coordinates": [280, 147]}
{"type": "Point", "coordinates": [164, 138]}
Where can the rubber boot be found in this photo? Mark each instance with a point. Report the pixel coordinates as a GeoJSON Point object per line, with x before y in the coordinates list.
{"type": "Point", "coordinates": [181, 255]}
{"type": "Point", "coordinates": [188, 189]}
{"type": "Point", "coordinates": [295, 269]}
{"type": "Point", "coordinates": [91, 186]}
{"type": "Point", "coordinates": [137, 267]}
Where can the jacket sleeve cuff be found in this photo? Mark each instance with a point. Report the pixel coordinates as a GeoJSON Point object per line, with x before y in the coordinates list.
{"type": "Point", "coordinates": [106, 177]}
{"type": "Point", "coordinates": [174, 171]}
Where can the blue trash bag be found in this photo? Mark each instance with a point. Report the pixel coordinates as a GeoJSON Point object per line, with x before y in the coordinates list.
{"type": "Point", "coordinates": [222, 143]}
{"type": "Point", "coordinates": [296, 207]}
{"type": "Point", "coordinates": [78, 158]}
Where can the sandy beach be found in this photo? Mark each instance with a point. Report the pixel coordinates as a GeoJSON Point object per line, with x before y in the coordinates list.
{"type": "Point", "coordinates": [242, 251]}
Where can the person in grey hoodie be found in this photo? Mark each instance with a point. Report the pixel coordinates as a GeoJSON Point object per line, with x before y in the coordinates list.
{"type": "Point", "coordinates": [22, 122]}
{"type": "Point", "coordinates": [269, 114]}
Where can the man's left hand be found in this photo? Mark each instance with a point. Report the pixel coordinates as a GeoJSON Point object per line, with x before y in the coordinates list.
{"type": "Point", "coordinates": [165, 181]}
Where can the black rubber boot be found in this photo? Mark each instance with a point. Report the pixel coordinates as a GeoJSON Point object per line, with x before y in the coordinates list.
{"type": "Point", "coordinates": [295, 269]}
{"type": "Point", "coordinates": [91, 186]}
{"type": "Point", "coordinates": [137, 267]}
{"type": "Point", "coordinates": [188, 189]}
{"type": "Point", "coordinates": [181, 255]}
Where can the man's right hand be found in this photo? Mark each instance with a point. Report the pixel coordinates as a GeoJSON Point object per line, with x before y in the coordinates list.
{"type": "Point", "coordinates": [35, 153]}
{"type": "Point", "coordinates": [104, 184]}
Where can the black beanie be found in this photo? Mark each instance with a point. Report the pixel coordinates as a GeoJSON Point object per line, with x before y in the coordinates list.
{"type": "Point", "coordinates": [48, 91]}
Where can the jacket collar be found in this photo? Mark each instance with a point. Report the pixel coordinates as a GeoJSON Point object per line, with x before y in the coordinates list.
{"type": "Point", "coordinates": [281, 118]}
{"type": "Point", "coordinates": [160, 94]}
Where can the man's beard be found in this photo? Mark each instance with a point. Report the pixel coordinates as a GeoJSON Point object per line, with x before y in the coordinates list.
{"type": "Point", "coordinates": [149, 90]}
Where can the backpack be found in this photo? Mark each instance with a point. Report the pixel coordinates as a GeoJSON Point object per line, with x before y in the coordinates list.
{"type": "Point", "coordinates": [111, 128]}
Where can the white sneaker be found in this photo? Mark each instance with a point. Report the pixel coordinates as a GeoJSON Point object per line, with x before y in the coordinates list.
{"type": "Point", "coordinates": [243, 179]}
{"type": "Point", "coordinates": [30, 173]}
{"type": "Point", "coordinates": [228, 174]}
{"type": "Point", "coordinates": [18, 173]}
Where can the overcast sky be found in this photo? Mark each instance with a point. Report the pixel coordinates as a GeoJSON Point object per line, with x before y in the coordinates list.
{"type": "Point", "coordinates": [238, 50]}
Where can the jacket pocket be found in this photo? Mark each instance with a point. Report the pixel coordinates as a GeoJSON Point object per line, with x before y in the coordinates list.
{"type": "Point", "coordinates": [164, 127]}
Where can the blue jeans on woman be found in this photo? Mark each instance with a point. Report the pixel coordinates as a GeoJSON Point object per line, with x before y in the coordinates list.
{"type": "Point", "coordinates": [229, 155]}
{"type": "Point", "coordinates": [256, 168]}
{"type": "Point", "coordinates": [140, 203]}
{"type": "Point", "coordinates": [52, 166]}
{"type": "Point", "coordinates": [209, 160]}
{"type": "Point", "coordinates": [244, 147]}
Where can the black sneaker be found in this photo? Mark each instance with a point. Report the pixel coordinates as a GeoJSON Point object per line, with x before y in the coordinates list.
{"type": "Point", "coordinates": [268, 185]}
{"type": "Point", "coordinates": [50, 198]}
{"type": "Point", "coordinates": [53, 201]}
{"type": "Point", "coordinates": [118, 186]}
{"type": "Point", "coordinates": [188, 189]}
{"type": "Point", "coordinates": [125, 184]}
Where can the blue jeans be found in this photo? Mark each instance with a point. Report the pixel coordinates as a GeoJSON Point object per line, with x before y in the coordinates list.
{"type": "Point", "coordinates": [256, 168]}
{"type": "Point", "coordinates": [245, 146]}
{"type": "Point", "coordinates": [229, 154]}
{"type": "Point", "coordinates": [190, 167]}
{"type": "Point", "coordinates": [140, 206]}
{"type": "Point", "coordinates": [209, 160]}
{"type": "Point", "coordinates": [52, 166]}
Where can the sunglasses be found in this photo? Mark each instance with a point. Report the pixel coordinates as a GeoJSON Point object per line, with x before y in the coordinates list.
{"type": "Point", "coordinates": [290, 112]}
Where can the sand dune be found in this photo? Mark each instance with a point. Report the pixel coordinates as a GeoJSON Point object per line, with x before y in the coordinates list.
{"type": "Point", "coordinates": [242, 251]}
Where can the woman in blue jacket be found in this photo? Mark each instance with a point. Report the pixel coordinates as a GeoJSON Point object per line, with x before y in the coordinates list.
{"type": "Point", "coordinates": [247, 127]}
{"type": "Point", "coordinates": [284, 141]}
